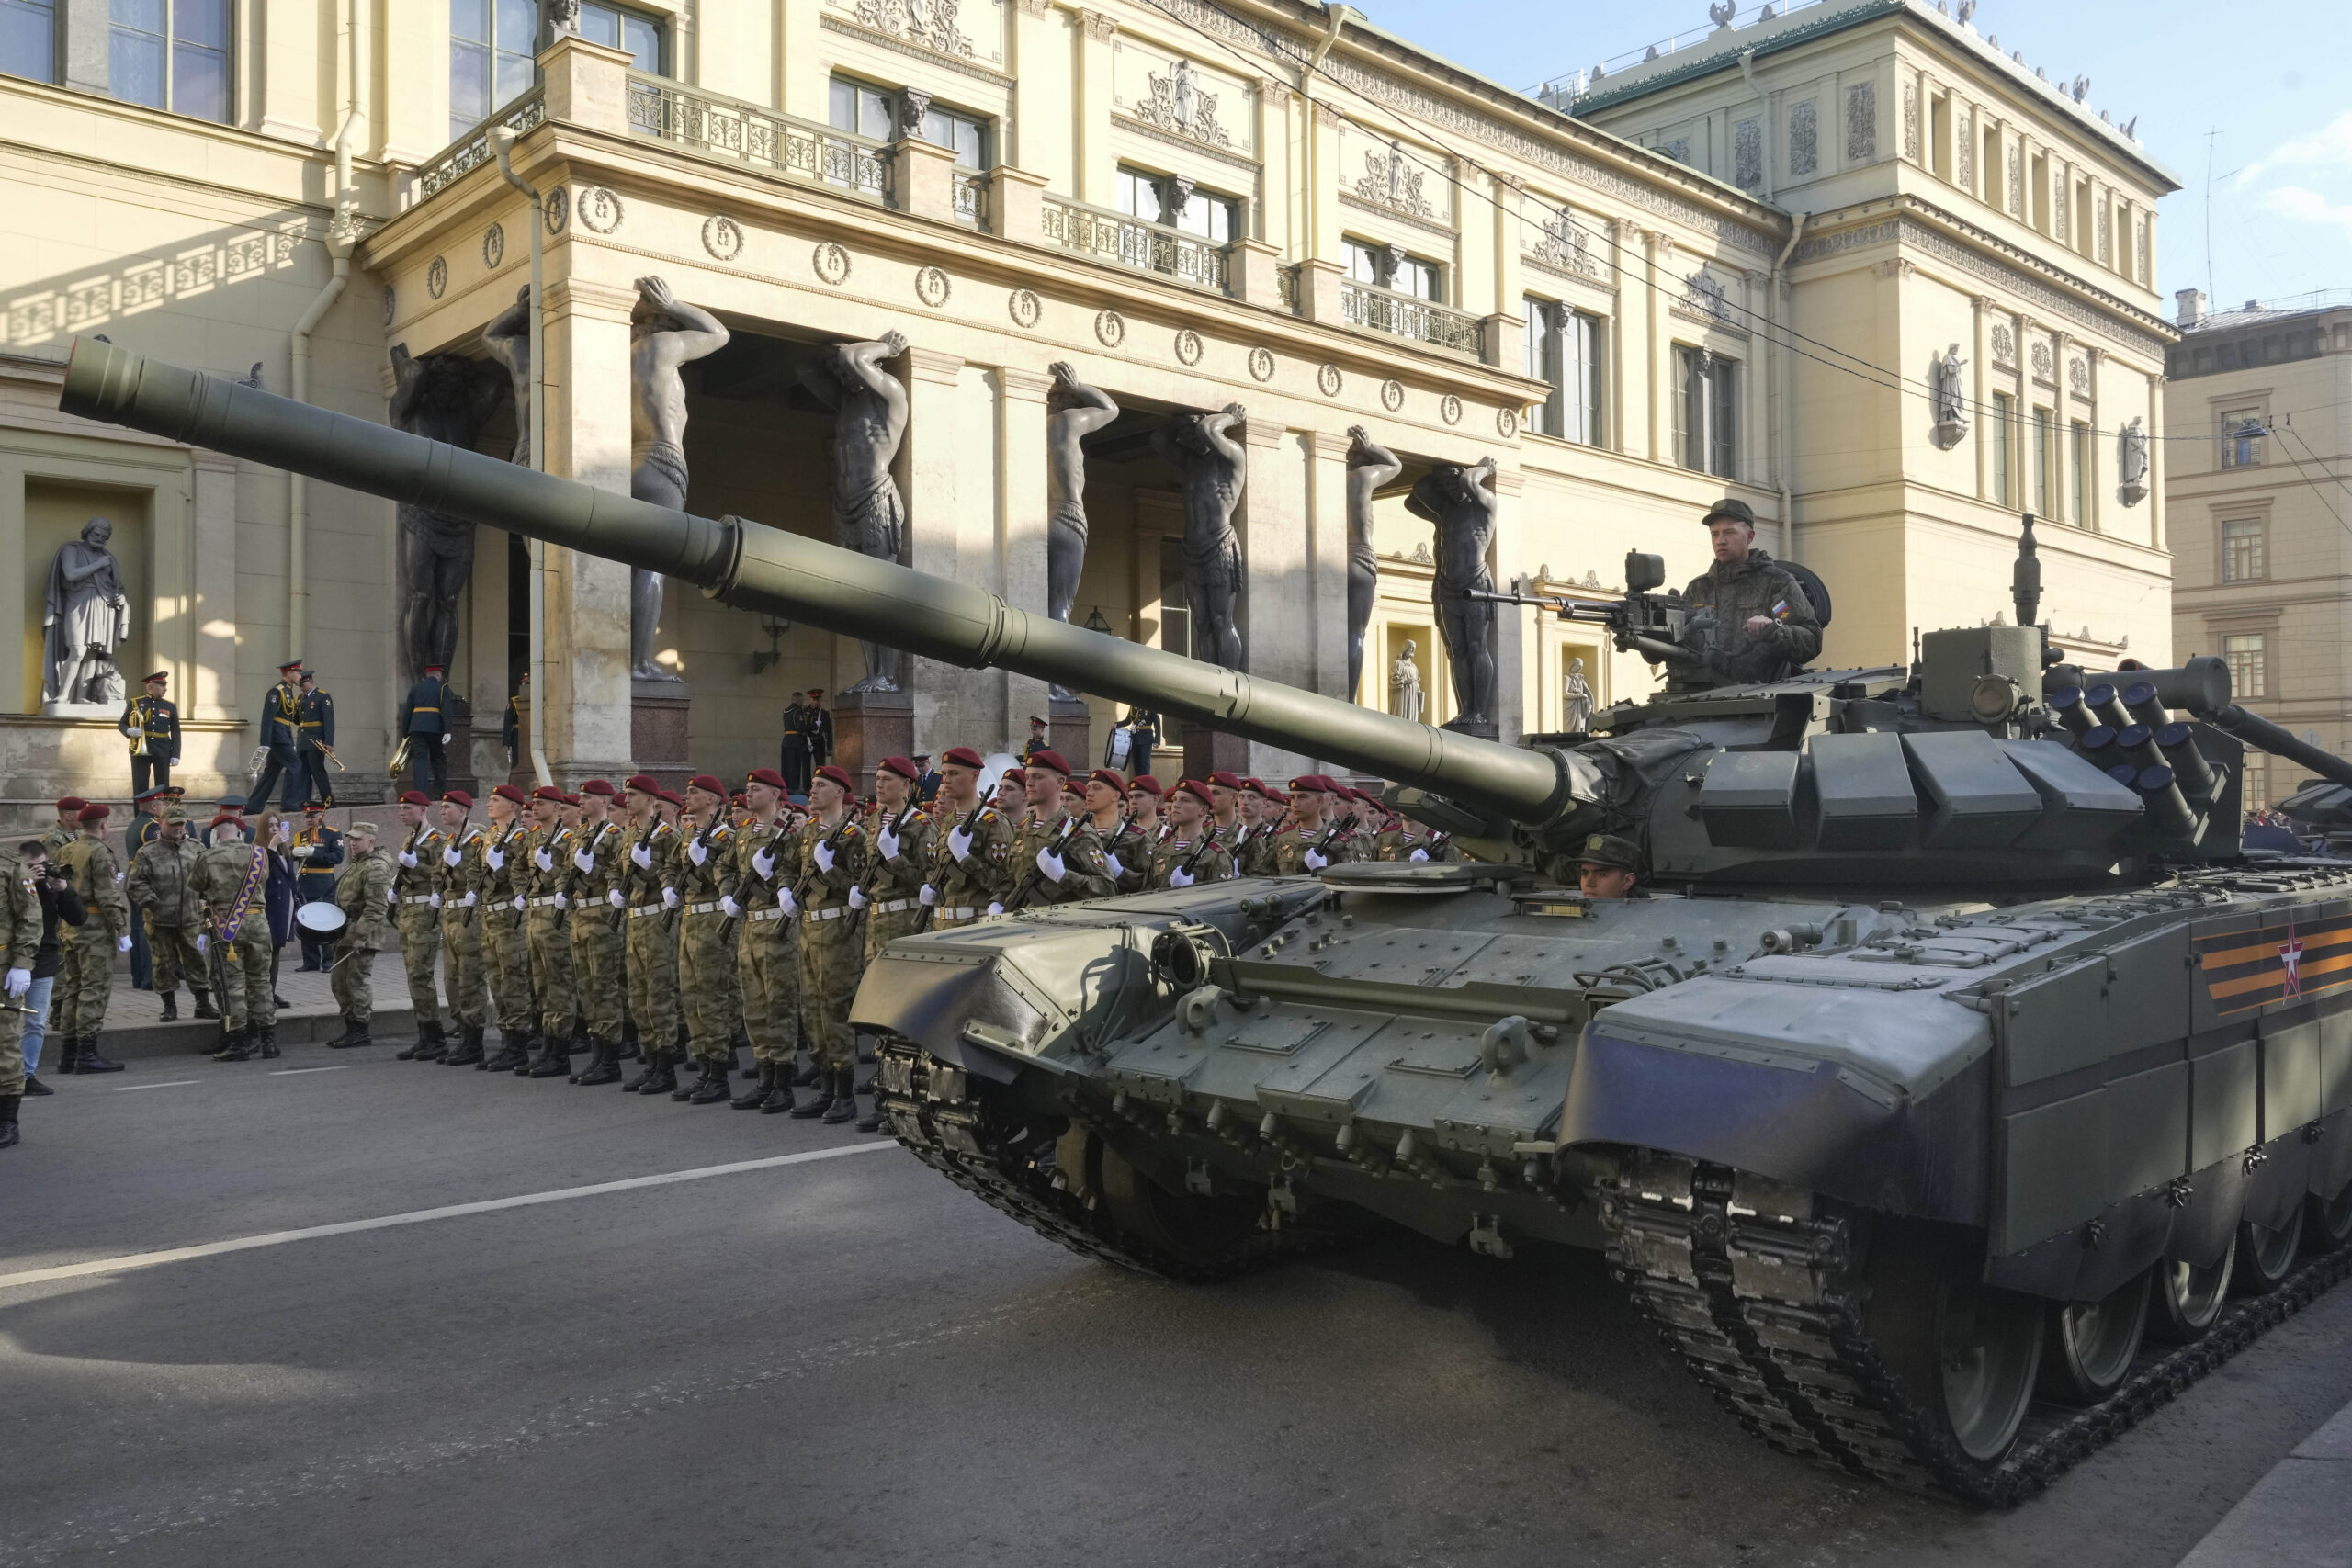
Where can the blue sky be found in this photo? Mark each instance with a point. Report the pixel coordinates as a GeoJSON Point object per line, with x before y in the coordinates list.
{"type": "Point", "coordinates": [2273, 78]}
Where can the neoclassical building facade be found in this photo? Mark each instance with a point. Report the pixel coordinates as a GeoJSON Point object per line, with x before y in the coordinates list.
{"type": "Point", "coordinates": [1675, 286]}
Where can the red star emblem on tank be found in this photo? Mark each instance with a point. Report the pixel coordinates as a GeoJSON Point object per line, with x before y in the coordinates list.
{"type": "Point", "coordinates": [2290, 959]}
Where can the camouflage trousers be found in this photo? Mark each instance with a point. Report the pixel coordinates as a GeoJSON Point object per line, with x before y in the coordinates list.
{"type": "Point", "coordinates": [462, 965]}
{"type": "Point", "coordinates": [551, 973]}
{"type": "Point", "coordinates": [244, 951]}
{"type": "Point", "coordinates": [832, 961]}
{"type": "Point", "coordinates": [351, 978]}
{"type": "Point", "coordinates": [176, 957]}
{"type": "Point", "coordinates": [420, 925]}
{"type": "Point", "coordinates": [707, 984]}
{"type": "Point", "coordinates": [652, 957]}
{"type": "Point", "coordinates": [767, 958]}
{"type": "Point", "coordinates": [12, 1050]}
{"type": "Point", "coordinates": [599, 967]}
{"type": "Point", "coordinates": [77, 1009]}
{"type": "Point", "coordinates": [506, 954]}
{"type": "Point", "coordinates": [883, 929]}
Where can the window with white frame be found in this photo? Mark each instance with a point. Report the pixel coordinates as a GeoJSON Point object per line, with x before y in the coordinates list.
{"type": "Point", "coordinates": [1177, 203]}
{"type": "Point", "coordinates": [493, 45]}
{"type": "Point", "coordinates": [2248, 656]}
{"type": "Point", "coordinates": [2242, 436]}
{"type": "Point", "coordinates": [2244, 549]}
{"type": "Point", "coordinates": [1563, 348]}
{"type": "Point", "coordinates": [170, 54]}
{"type": "Point", "coordinates": [1706, 412]}
{"type": "Point", "coordinates": [29, 39]}
{"type": "Point", "coordinates": [1394, 267]}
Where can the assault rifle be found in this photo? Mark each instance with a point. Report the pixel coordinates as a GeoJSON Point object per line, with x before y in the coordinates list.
{"type": "Point", "coordinates": [1022, 894]}
{"type": "Point", "coordinates": [1662, 627]}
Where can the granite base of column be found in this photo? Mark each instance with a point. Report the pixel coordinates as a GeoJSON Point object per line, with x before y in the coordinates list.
{"type": "Point", "coordinates": [660, 729]}
{"type": "Point", "coordinates": [1210, 752]}
{"type": "Point", "coordinates": [870, 726]}
{"type": "Point", "coordinates": [1069, 724]}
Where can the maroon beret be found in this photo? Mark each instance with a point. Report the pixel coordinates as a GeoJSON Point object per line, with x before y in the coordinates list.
{"type": "Point", "coordinates": [1109, 776]}
{"type": "Point", "coordinates": [598, 786]}
{"type": "Point", "coordinates": [459, 797]}
{"type": "Point", "coordinates": [1147, 783]}
{"type": "Point", "coordinates": [93, 812]}
{"type": "Point", "coordinates": [1194, 788]}
{"type": "Point", "coordinates": [645, 783]}
{"type": "Point", "coordinates": [767, 776]}
{"type": "Point", "coordinates": [1045, 757]}
{"type": "Point", "coordinates": [903, 767]}
{"type": "Point", "coordinates": [709, 784]}
{"type": "Point", "coordinates": [415, 798]}
{"type": "Point", "coordinates": [71, 803]}
{"type": "Point", "coordinates": [839, 774]}
{"type": "Point", "coordinates": [1224, 780]}
{"type": "Point", "coordinates": [548, 792]}
{"type": "Point", "coordinates": [508, 792]}
{"type": "Point", "coordinates": [964, 757]}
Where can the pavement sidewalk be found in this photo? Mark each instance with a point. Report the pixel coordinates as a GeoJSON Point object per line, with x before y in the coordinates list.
{"type": "Point", "coordinates": [2299, 1516]}
{"type": "Point", "coordinates": [132, 1031]}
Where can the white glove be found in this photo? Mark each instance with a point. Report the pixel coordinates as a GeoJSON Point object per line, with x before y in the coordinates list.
{"type": "Point", "coordinates": [203, 945]}
{"type": "Point", "coordinates": [470, 899]}
{"type": "Point", "coordinates": [696, 852]}
{"type": "Point", "coordinates": [930, 895]}
{"type": "Point", "coordinates": [123, 944]}
{"type": "Point", "coordinates": [615, 900]}
{"type": "Point", "coordinates": [408, 859]}
{"type": "Point", "coordinates": [392, 894]}
{"type": "Point", "coordinates": [996, 908]}
{"type": "Point", "coordinates": [446, 739]}
{"type": "Point", "coordinates": [786, 902]}
{"type": "Point", "coordinates": [959, 844]}
{"type": "Point", "coordinates": [763, 862]}
{"type": "Point", "coordinates": [117, 879]}
{"type": "Point", "coordinates": [584, 860]}
{"type": "Point", "coordinates": [1419, 854]}
{"type": "Point", "coordinates": [21, 980]}
{"type": "Point", "coordinates": [1051, 864]}
{"type": "Point", "coordinates": [729, 907]}
{"type": "Point", "coordinates": [1180, 877]}
{"type": "Point", "coordinates": [519, 902]}
{"type": "Point", "coordinates": [886, 840]}
{"type": "Point", "coordinates": [857, 899]}
{"type": "Point", "coordinates": [563, 901]}
{"type": "Point", "coordinates": [825, 859]}
{"type": "Point", "coordinates": [669, 898]}
{"type": "Point", "coordinates": [1316, 862]}
{"type": "Point", "coordinates": [539, 858]}
{"type": "Point", "coordinates": [496, 859]}
{"type": "Point", "coordinates": [642, 856]}
{"type": "Point", "coordinates": [1112, 862]}
{"type": "Point", "coordinates": [450, 856]}
{"type": "Point", "coordinates": [434, 902]}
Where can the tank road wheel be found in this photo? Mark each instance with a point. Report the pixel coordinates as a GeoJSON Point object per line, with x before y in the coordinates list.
{"type": "Point", "coordinates": [1206, 1233]}
{"type": "Point", "coordinates": [2092, 1344]}
{"type": "Point", "coordinates": [2266, 1255]}
{"type": "Point", "coordinates": [2187, 1300]}
{"type": "Point", "coordinates": [1964, 1351]}
{"type": "Point", "coordinates": [2330, 1219]}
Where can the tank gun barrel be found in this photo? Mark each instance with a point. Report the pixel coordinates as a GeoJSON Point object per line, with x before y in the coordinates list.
{"type": "Point", "coordinates": [2257, 731]}
{"type": "Point", "coordinates": [750, 566]}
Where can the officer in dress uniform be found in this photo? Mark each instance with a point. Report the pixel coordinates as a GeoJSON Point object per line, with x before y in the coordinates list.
{"type": "Point", "coordinates": [798, 757]}
{"type": "Point", "coordinates": [153, 727]}
{"type": "Point", "coordinates": [425, 718]}
{"type": "Point", "coordinates": [927, 785]}
{"type": "Point", "coordinates": [317, 850]}
{"type": "Point", "coordinates": [1038, 741]}
{"type": "Point", "coordinates": [317, 738]}
{"type": "Point", "coordinates": [281, 735]}
{"type": "Point", "coordinates": [821, 744]}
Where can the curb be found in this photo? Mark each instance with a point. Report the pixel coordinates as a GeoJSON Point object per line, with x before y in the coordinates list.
{"type": "Point", "coordinates": [188, 1037]}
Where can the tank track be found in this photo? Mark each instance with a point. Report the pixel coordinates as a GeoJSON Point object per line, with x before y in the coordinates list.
{"type": "Point", "coordinates": [952, 1133]}
{"type": "Point", "coordinates": [1771, 1321]}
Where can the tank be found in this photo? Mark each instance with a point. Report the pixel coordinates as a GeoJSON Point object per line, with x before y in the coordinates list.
{"type": "Point", "coordinates": [1957, 1089]}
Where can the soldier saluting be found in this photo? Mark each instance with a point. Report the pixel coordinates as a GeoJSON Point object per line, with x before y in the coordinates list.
{"type": "Point", "coordinates": [1765, 627]}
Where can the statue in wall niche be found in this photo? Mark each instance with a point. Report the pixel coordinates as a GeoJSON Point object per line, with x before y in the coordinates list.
{"type": "Point", "coordinates": [1461, 503]}
{"type": "Point", "coordinates": [508, 339]}
{"type": "Point", "coordinates": [443, 397]}
{"type": "Point", "coordinates": [1369, 465]}
{"type": "Point", "coordinates": [1576, 700]}
{"type": "Point", "coordinates": [1946, 397]}
{"type": "Point", "coordinates": [85, 617]}
{"type": "Point", "coordinates": [2132, 461]}
{"type": "Point", "coordinates": [869, 410]}
{"type": "Point", "coordinates": [1212, 468]}
{"type": "Point", "coordinates": [665, 335]}
{"type": "Point", "coordinates": [1073, 411]}
{"type": "Point", "coordinates": [1405, 684]}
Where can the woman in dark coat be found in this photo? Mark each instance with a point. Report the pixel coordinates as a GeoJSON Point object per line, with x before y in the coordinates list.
{"type": "Point", "coordinates": [276, 835]}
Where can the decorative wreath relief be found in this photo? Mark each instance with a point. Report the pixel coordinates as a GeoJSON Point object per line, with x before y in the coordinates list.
{"type": "Point", "coordinates": [437, 277]}
{"type": "Point", "coordinates": [1023, 306]}
{"type": "Point", "coordinates": [1449, 408]}
{"type": "Point", "coordinates": [493, 247]}
{"type": "Point", "coordinates": [1188, 345]}
{"type": "Point", "coordinates": [1261, 364]}
{"type": "Point", "coordinates": [932, 286]}
{"type": "Point", "coordinates": [830, 261]}
{"type": "Point", "coordinates": [1506, 423]}
{"type": "Point", "coordinates": [722, 237]}
{"type": "Point", "coordinates": [559, 209]}
{"type": "Point", "coordinates": [1392, 395]}
{"type": "Point", "coordinates": [600, 209]}
{"type": "Point", "coordinates": [1328, 378]}
{"type": "Point", "coordinates": [1110, 328]}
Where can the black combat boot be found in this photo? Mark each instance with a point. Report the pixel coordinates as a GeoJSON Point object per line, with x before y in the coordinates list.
{"type": "Point", "coordinates": [91, 1061]}
{"type": "Point", "coordinates": [686, 1091]}
{"type": "Point", "coordinates": [555, 1062]}
{"type": "Point", "coordinates": [845, 1090]}
{"type": "Point", "coordinates": [819, 1099]}
{"type": "Point", "coordinates": [8, 1103]}
{"type": "Point", "coordinates": [238, 1049]}
{"type": "Point", "coordinates": [171, 1007]}
{"type": "Point", "coordinates": [876, 1119]}
{"type": "Point", "coordinates": [643, 1081]}
{"type": "Point", "coordinates": [204, 1007]}
{"type": "Point", "coordinates": [428, 1035]}
{"type": "Point", "coordinates": [336, 1042]}
{"type": "Point", "coordinates": [69, 1056]}
{"type": "Point", "coordinates": [779, 1098]}
{"type": "Point", "coordinates": [663, 1076]}
{"type": "Point", "coordinates": [714, 1086]}
{"type": "Point", "coordinates": [808, 1075]}
{"type": "Point", "coordinates": [513, 1050]}
{"type": "Point", "coordinates": [603, 1065]}
{"type": "Point", "coordinates": [354, 1035]}
{"type": "Point", "coordinates": [628, 1052]}
{"type": "Point", "coordinates": [761, 1086]}
{"type": "Point", "coordinates": [467, 1052]}
{"type": "Point", "coordinates": [269, 1043]}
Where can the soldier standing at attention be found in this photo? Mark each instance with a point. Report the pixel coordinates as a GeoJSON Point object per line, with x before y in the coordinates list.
{"type": "Point", "coordinates": [153, 727]}
{"type": "Point", "coordinates": [767, 947]}
{"type": "Point", "coordinates": [317, 738]}
{"type": "Point", "coordinates": [506, 951]}
{"type": "Point", "coordinates": [232, 880]}
{"type": "Point", "coordinates": [1226, 791]}
{"type": "Point", "coordinates": [317, 850]}
{"type": "Point", "coordinates": [969, 861]}
{"type": "Point", "coordinates": [1125, 849]}
{"type": "Point", "coordinates": [364, 893]}
{"type": "Point", "coordinates": [596, 917]}
{"type": "Point", "coordinates": [85, 977]}
{"type": "Point", "coordinates": [1765, 626]}
{"type": "Point", "coordinates": [1255, 856]}
{"type": "Point", "coordinates": [1038, 741]}
{"type": "Point", "coordinates": [704, 874]}
{"type": "Point", "coordinates": [1193, 850]}
{"type": "Point", "coordinates": [1057, 855]}
{"type": "Point", "coordinates": [927, 781]}
{"type": "Point", "coordinates": [898, 868]}
{"type": "Point", "coordinates": [161, 900]}
{"type": "Point", "coordinates": [548, 935]}
{"type": "Point", "coordinates": [415, 903]}
{"type": "Point", "coordinates": [832, 959]}
{"type": "Point", "coordinates": [21, 927]}
{"type": "Point", "coordinates": [652, 951]}
{"type": "Point", "coordinates": [1313, 843]}
{"type": "Point", "coordinates": [1143, 805]}
{"type": "Point", "coordinates": [425, 719]}
{"type": "Point", "coordinates": [281, 738]}
{"type": "Point", "coordinates": [456, 894]}
{"type": "Point", "coordinates": [799, 748]}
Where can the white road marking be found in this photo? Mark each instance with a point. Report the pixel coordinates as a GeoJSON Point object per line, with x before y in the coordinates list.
{"type": "Point", "coordinates": [289, 1072]}
{"type": "Point", "coordinates": [175, 1083]}
{"type": "Point", "coordinates": [129, 1261]}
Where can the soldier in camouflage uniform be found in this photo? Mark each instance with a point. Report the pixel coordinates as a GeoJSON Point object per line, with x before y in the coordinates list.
{"type": "Point", "coordinates": [1057, 856]}
{"type": "Point", "coordinates": [704, 874]}
{"type": "Point", "coordinates": [415, 865]}
{"type": "Point", "coordinates": [1125, 848]}
{"type": "Point", "coordinates": [1261, 810]}
{"type": "Point", "coordinates": [1406, 840]}
{"type": "Point", "coordinates": [1765, 627]}
{"type": "Point", "coordinates": [20, 933]}
{"type": "Point", "coordinates": [651, 949]}
{"type": "Point", "coordinates": [767, 943]}
{"type": "Point", "coordinates": [231, 878]}
{"type": "Point", "coordinates": [507, 946]}
{"type": "Point", "coordinates": [458, 895]}
{"type": "Point", "coordinates": [66, 828]}
{"type": "Point", "coordinates": [85, 973]}
{"type": "Point", "coordinates": [1144, 799]}
{"type": "Point", "coordinates": [898, 869]}
{"type": "Point", "coordinates": [1314, 843]}
{"type": "Point", "coordinates": [832, 956]}
{"type": "Point", "coordinates": [1193, 850]}
{"type": "Point", "coordinates": [970, 861]}
{"type": "Point", "coordinates": [157, 890]}
{"type": "Point", "coordinates": [364, 893]}
{"type": "Point", "coordinates": [597, 915]}
{"type": "Point", "coordinates": [546, 929]}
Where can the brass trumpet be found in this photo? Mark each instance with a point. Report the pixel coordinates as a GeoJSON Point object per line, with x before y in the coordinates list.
{"type": "Point", "coordinates": [399, 757]}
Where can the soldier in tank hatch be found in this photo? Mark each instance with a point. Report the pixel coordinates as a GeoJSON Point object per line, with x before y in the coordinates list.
{"type": "Point", "coordinates": [1608, 867]}
{"type": "Point", "coordinates": [1765, 627]}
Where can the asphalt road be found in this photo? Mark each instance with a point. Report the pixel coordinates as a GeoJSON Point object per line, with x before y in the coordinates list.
{"type": "Point", "coordinates": [846, 1361]}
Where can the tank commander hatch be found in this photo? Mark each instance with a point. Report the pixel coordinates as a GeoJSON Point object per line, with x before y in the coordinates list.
{"type": "Point", "coordinates": [1765, 629]}
{"type": "Point", "coordinates": [1608, 867]}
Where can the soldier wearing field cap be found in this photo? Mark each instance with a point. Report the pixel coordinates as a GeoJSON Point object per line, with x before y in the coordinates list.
{"type": "Point", "coordinates": [971, 863]}
{"type": "Point", "coordinates": [598, 852]}
{"type": "Point", "coordinates": [152, 724]}
{"type": "Point", "coordinates": [415, 913]}
{"type": "Point", "coordinates": [364, 893]}
{"type": "Point", "coordinates": [505, 942]}
{"type": "Point", "coordinates": [1608, 867]}
{"type": "Point", "coordinates": [1765, 627]}
{"type": "Point", "coordinates": [547, 933]}
{"type": "Point", "coordinates": [832, 956]}
{"type": "Point", "coordinates": [232, 879]}
{"type": "Point", "coordinates": [650, 948]}
{"type": "Point", "coordinates": [767, 943]}
{"type": "Point", "coordinates": [1193, 852]}
{"type": "Point", "coordinates": [457, 892]}
{"type": "Point", "coordinates": [1056, 857]}
{"type": "Point", "coordinates": [157, 889]}
{"type": "Point", "coordinates": [704, 876]}
{"type": "Point", "coordinates": [85, 974]}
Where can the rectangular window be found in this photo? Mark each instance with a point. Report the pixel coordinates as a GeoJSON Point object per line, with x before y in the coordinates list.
{"type": "Point", "coordinates": [2242, 438]}
{"type": "Point", "coordinates": [2004, 419]}
{"type": "Point", "coordinates": [1991, 164]}
{"type": "Point", "coordinates": [1389, 266]}
{"type": "Point", "coordinates": [2249, 656]}
{"type": "Point", "coordinates": [2257, 791]}
{"type": "Point", "coordinates": [2244, 548]}
{"type": "Point", "coordinates": [491, 46]}
{"type": "Point", "coordinates": [966, 135]}
{"type": "Point", "coordinates": [171, 55]}
{"type": "Point", "coordinates": [1706, 426]}
{"type": "Point", "coordinates": [2041, 457]}
{"type": "Point", "coordinates": [29, 39]}
{"type": "Point", "coordinates": [860, 109]}
{"type": "Point", "coordinates": [617, 28]}
{"type": "Point", "coordinates": [1563, 348]}
{"type": "Point", "coordinates": [1155, 198]}
{"type": "Point", "coordinates": [2078, 471]}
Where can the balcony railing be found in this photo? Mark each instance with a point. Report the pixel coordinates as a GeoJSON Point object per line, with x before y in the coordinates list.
{"type": "Point", "coordinates": [471, 150]}
{"type": "Point", "coordinates": [971, 197]}
{"type": "Point", "coordinates": [731, 130]}
{"type": "Point", "coordinates": [1130, 242]}
{"type": "Point", "coordinates": [1405, 316]}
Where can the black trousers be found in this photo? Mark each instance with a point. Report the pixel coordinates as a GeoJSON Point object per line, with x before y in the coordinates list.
{"type": "Point", "coordinates": [795, 764]}
{"type": "Point", "coordinates": [429, 764]}
{"type": "Point", "coordinates": [315, 772]}
{"type": "Point", "coordinates": [283, 764]}
{"type": "Point", "coordinates": [150, 773]}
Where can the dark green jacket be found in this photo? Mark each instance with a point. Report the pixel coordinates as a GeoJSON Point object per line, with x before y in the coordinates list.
{"type": "Point", "coordinates": [1757, 586]}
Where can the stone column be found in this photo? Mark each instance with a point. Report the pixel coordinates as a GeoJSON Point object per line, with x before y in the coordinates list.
{"type": "Point", "coordinates": [942, 539]}
{"type": "Point", "coordinates": [209, 689]}
{"type": "Point", "coordinates": [2062, 409]}
{"type": "Point", "coordinates": [1980, 342]}
{"type": "Point", "coordinates": [1019, 559]}
{"type": "Point", "coordinates": [1278, 613]}
{"type": "Point", "coordinates": [1327, 546]}
{"type": "Point", "coordinates": [1097, 162]}
{"type": "Point", "coordinates": [591, 719]}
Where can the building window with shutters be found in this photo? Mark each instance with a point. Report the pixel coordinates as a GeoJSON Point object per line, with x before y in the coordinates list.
{"type": "Point", "coordinates": [2249, 656]}
{"type": "Point", "coordinates": [171, 55]}
{"type": "Point", "coordinates": [2243, 549]}
{"type": "Point", "coordinates": [1706, 423]}
{"type": "Point", "coordinates": [1563, 348]}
